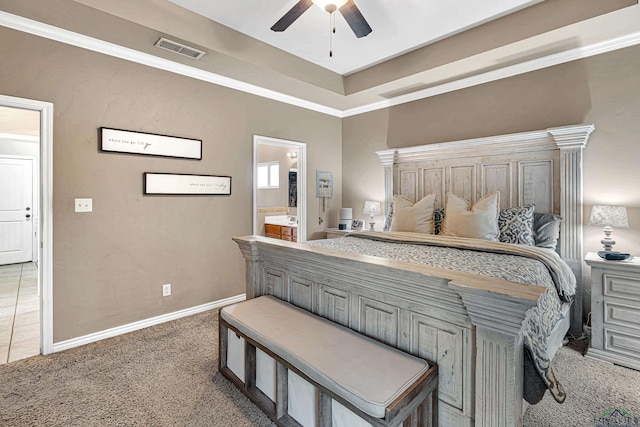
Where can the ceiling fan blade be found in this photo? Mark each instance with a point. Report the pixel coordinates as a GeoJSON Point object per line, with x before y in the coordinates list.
{"type": "Point", "coordinates": [355, 19]}
{"type": "Point", "coordinates": [292, 15]}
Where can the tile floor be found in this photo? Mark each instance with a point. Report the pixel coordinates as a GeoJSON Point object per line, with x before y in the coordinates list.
{"type": "Point", "coordinates": [19, 312]}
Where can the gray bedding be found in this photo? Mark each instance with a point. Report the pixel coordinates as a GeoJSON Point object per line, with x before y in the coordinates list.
{"type": "Point", "coordinates": [517, 263]}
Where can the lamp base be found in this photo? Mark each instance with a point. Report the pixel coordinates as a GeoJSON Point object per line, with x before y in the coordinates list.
{"type": "Point", "coordinates": [371, 223]}
{"type": "Point", "coordinates": [607, 242]}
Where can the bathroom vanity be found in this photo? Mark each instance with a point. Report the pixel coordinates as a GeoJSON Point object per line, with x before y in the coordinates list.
{"type": "Point", "coordinates": [283, 227]}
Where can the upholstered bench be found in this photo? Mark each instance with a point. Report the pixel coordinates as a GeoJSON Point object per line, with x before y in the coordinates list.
{"type": "Point", "coordinates": [301, 369]}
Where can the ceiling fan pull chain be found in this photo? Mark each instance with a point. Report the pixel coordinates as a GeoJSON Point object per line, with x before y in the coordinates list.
{"type": "Point", "coordinates": [331, 24]}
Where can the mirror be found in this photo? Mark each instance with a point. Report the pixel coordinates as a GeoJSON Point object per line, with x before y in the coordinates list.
{"type": "Point", "coordinates": [283, 198]}
{"type": "Point", "coordinates": [293, 188]}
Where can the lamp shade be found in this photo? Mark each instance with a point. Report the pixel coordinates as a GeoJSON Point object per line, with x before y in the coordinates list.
{"type": "Point", "coordinates": [612, 216]}
{"type": "Point", "coordinates": [371, 208]}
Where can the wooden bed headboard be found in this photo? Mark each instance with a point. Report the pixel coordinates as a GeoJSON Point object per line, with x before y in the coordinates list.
{"type": "Point", "coordinates": [541, 167]}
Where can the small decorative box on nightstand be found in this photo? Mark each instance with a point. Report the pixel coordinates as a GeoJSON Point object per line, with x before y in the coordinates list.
{"type": "Point", "coordinates": [615, 310]}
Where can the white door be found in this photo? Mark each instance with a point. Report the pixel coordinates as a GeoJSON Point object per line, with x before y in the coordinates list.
{"type": "Point", "coordinates": [16, 210]}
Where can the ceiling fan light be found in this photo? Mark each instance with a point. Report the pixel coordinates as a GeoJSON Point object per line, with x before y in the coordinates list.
{"type": "Point", "coordinates": [322, 4]}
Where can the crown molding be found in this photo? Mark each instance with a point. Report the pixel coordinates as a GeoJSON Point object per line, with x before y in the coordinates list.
{"type": "Point", "coordinates": [503, 73]}
{"type": "Point", "coordinates": [85, 42]}
{"type": "Point", "coordinates": [571, 137]}
{"type": "Point", "coordinates": [68, 37]}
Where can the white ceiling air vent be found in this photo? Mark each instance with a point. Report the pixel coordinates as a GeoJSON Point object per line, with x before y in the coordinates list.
{"type": "Point", "coordinates": [180, 48]}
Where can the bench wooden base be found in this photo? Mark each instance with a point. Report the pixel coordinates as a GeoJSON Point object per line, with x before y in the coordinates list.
{"type": "Point", "coordinates": [416, 407]}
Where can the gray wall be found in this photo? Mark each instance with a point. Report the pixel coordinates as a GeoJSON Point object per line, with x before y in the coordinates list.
{"type": "Point", "coordinates": [109, 265]}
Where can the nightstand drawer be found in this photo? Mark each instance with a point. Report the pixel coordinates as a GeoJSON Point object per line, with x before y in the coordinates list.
{"type": "Point", "coordinates": [622, 315]}
{"type": "Point", "coordinates": [622, 343]}
{"type": "Point", "coordinates": [621, 285]}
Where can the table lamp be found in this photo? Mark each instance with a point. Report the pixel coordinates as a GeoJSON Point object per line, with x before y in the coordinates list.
{"type": "Point", "coordinates": [372, 209]}
{"type": "Point", "coordinates": [609, 216]}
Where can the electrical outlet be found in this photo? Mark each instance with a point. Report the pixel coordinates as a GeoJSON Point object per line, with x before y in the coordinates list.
{"type": "Point", "coordinates": [166, 290]}
{"type": "Point", "coordinates": [84, 205]}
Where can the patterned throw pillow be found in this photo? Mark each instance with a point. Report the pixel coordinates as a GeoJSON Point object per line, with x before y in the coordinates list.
{"type": "Point", "coordinates": [516, 225]}
{"type": "Point", "coordinates": [438, 217]}
{"type": "Point", "coordinates": [388, 218]}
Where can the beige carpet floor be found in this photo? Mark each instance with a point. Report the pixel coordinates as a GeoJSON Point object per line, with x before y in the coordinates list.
{"type": "Point", "coordinates": [166, 375]}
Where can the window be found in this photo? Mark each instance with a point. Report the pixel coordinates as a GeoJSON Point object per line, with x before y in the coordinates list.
{"type": "Point", "coordinates": [269, 175]}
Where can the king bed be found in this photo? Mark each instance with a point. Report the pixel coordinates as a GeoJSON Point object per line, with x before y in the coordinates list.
{"type": "Point", "coordinates": [482, 328]}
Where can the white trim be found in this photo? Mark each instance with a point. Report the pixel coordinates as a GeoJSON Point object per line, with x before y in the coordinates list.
{"type": "Point", "coordinates": [302, 180]}
{"type": "Point", "coordinates": [74, 39]}
{"type": "Point", "coordinates": [124, 329]}
{"type": "Point", "coordinates": [64, 36]}
{"type": "Point", "coordinates": [13, 137]}
{"type": "Point", "coordinates": [45, 220]}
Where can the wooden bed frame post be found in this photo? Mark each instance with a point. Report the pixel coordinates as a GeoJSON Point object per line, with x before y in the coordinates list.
{"type": "Point", "coordinates": [387, 162]}
{"type": "Point", "coordinates": [499, 354]}
{"type": "Point", "coordinates": [253, 270]}
{"type": "Point", "coordinates": [571, 140]}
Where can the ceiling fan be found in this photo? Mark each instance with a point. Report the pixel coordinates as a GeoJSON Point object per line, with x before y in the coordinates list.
{"type": "Point", "coordinates": [347, 8]}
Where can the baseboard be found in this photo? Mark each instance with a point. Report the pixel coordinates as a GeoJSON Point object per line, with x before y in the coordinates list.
{"type": "Point", "coordinates": [119, 330]}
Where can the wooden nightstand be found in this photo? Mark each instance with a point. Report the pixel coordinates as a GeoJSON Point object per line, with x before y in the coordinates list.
{"type": "Point", "coordinates": [615, 310]}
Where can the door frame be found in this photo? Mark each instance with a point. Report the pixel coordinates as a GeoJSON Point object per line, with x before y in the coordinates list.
{"type": "Point", "coordinates": [302, 180]}
{"type": "Point", "coordinates": [35, 202]}
{"type": "Point", "coordinates": [45, 220]}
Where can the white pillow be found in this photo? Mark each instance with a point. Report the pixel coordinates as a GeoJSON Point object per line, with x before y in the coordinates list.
{"type": "Point", "coordinates": [477, 222]}
{"type": "Point", "coordinates": [417, 217]}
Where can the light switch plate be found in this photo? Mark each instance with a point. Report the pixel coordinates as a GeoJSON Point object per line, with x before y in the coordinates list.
{"type": "Point", "coordinates": [84, 205]}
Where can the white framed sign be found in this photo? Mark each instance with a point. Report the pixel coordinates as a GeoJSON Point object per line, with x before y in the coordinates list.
{"type": "Point", "coordinates": [186, 184]}
{"type": "Point", "coordinates": [150, 144]}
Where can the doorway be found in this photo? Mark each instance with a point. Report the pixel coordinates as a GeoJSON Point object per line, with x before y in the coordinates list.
{"type": "Point", "coordinates": [279, 183]}
{"type": "Point", "coordinates": [26, 219]}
